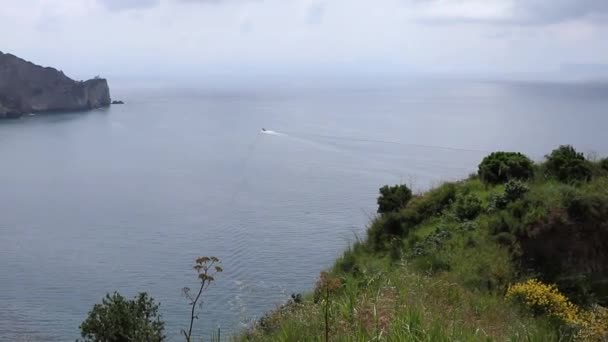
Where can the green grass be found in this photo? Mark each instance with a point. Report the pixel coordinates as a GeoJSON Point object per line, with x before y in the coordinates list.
{"type": "Point", "coordinates": [389, 302]}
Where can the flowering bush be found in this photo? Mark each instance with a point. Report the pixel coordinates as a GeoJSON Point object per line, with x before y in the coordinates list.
{"type": "Point", "coordinates": [546, 299]}
{"type": "Point", "coordinates": [593, 325]}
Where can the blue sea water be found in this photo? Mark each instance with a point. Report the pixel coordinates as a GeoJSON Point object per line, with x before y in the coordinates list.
{"type": "Point", "coordinates": [124, 199]}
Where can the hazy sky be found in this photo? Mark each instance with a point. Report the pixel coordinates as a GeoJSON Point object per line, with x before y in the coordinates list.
{"type": "Point", "coordinates": [195, 36]}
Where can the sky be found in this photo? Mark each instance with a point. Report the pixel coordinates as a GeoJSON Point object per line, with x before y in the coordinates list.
{"type": "Point", "coordinates": [191, 37]}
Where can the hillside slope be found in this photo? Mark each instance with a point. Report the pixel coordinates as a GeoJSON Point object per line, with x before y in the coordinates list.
{"type": "Point", "coordinates": [517, 252]}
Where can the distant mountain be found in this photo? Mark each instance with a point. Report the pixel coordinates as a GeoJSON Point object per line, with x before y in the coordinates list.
{"type": "Point", "coordinates": [26, 87]}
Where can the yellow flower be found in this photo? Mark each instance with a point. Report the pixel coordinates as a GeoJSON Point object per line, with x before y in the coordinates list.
{"type": "Point", "coordinates": [593, 325]}
{"type": "Point", "coordinates": [546, 299]}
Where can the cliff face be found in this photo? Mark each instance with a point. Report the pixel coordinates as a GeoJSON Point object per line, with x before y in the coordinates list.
{"type": "Point", "coordinates": [26, 87]}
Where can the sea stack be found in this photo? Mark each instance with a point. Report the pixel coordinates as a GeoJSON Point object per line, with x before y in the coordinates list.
{"type": "Point", "coordinates": [28, 88]}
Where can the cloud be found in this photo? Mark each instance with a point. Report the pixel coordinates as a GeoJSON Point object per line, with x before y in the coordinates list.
{"type": "Point", "coordinates": [119, 5]}
{"type": "Point", "coordinates": [190, 36]}
{"type": "Point", "coordinates": [554, 11]}
{"type": "Point", "coordinates": [216, 2]}
{"type": "Point", "coordinates": [315, 13]}
{"type": "Point", "coordinates": [512, 12]}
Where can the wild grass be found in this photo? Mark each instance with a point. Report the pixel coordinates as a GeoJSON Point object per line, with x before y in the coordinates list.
{"type": "Point", "coordinates": [392, 303]}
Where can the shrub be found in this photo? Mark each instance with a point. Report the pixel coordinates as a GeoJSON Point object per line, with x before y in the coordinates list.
{"type": "Point", "coordinates": [467, 207]}
{"type": "Point", "coordinates": [604, 164]}
{"type": "Point", "coordinates": [432, 242]}
{"type": "Point", "coordinates": [498, 201]}
{"type": "Point", "coordinates": [544, 299]}
{"type": "Point", "coordinates": [568, 165]}
{"type": "Point", "coordinates": [515, 189]}
{"type": "Point", "coordinates": [432, 203]}
{"type": "Point", "coordinates": [503, 222]}
{"type": "Point", "coordinates": [393, 198]}
{"type": "Point", "coordinates": [120, 319]}
{"type": "Point", "coordinates": [586, 207]}
{"type": "Point", "coordinates": [593, 325]}
{"type": "Point", "coordinates": [499, 167]}
{"type": "Point", "coordinates": [505, 239]}
{"type": "Point", "coordinates": [385, 229]}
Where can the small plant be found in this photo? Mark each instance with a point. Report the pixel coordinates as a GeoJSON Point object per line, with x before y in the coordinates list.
{"type": "Point", "coordinates": [498, 201]}
{"type": "Point", "coordinates": [499, 167]}
{"type": "Point", "coordinates": [296, 298]}
{"type": "Point", "coordinates": [568, 165]}
{"type": "Point", "coordinates": [206, 268]}
{"type": "Point", "coordinates": [121, 319]}
{"type": "Point", "coordinates": [467, 207]}
{"type": "Point", "coordinates": [544, 299]}
{"type": "Point", "coordinates": [327, 285]}
{"type": "Point", "coordinates": [393, 198]}
{"type": "Point", "coordinates": [468, 226]}
{"type": "Point", "coordinates": [515, 189]}
{"type": "Point", "coordinates": [432, 242]}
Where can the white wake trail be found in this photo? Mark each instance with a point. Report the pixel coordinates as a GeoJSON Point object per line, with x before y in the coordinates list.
{"type": "Point", "coordinates": [269, 132]}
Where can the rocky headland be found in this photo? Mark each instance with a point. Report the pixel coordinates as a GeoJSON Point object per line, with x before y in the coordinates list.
{"type": "Point", "coordinates": [28, 88]}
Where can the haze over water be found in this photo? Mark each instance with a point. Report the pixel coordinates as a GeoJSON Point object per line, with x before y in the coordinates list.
{"type": "Point", "coordinates": [126, 198]}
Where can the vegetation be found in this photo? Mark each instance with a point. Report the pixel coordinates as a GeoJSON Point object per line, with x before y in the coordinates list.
{"type": "Point", "coordinates": [500, 167]}
{"type": "Point", "coordinates": [393, 198]}
{"type": "Point", "coordinates": [604, 164]}
{"type": "Point", "coordinates": [121, 319]}
{"type": "Point", "coordinates": [568, 165]}
{"type": "Point", "coordinates": [517, 252]}
{"type": "Point", "coordinates": [206, 269]}
{"type": "Point", "coordinates": [117, 319]}
{"type": "Point", "coordinates": [467, 207]}
{"type": "Point", "coordinates": [544, 299]}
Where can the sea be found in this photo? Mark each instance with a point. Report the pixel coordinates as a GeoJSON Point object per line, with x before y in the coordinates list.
{"type": "Point", "coordinates": [126, 198]}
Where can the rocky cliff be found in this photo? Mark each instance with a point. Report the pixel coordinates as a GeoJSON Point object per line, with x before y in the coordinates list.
{"type": "Point", "coordinates": [26, 88]}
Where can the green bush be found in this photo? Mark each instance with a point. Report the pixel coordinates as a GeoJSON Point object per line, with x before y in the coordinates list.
{"type": "Point", "coordinates": [501, 222]}
{"type": "Point", "coordinates": [385, 229]}
{"type": "Point", "coordinates": [498, 201]}
{"type": "Point", "coordinates": [587, 207]}
{"type": "Point", "coordinates": [393, 198]}
{"type": "Point", "coordinates": [467, 207]}
{"type": "Point", "coordinates": [515, 189]}
{"type": "Point", "coordinates": [499, 167]}
{"type": "Point", "coordinates": [568, 165]}
{"type": "Point", "coordinates": [120, 319]}
{"type": "Point", "coordinates": [432, 203]}
{"type": "Point", "coordinates": [604, 164]}
{"type": "Point", "coordinates": [505, 239]}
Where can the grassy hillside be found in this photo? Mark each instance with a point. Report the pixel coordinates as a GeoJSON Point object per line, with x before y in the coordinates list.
{"type": "Point", "coordinates": [517, 252]}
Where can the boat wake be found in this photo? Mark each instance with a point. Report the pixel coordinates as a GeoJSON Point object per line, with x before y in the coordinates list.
{"type": "Point", "coordinates": [269, 132]}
